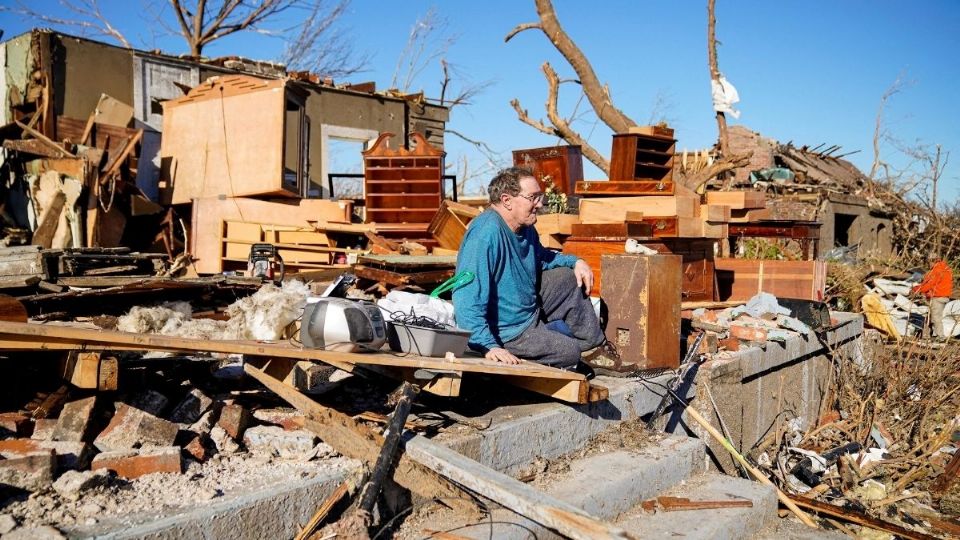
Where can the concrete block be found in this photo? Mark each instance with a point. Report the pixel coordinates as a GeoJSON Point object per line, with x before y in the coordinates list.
{"type": "Point", "coordinates": [150, 401]}
{"type": "Point", "coordinates": [43, 429]}
{"type": "Point", "coordinates": [70, 455]}
{"type": "Point", "coordinates": [131, 427]}
{"type": "Point", "coordinates": [14, 424]}
{"type": "Point", "coordinates": [721, 523]}
{"type": "Point", "coordinates": [273, 440]}
{"type": "Point", "coordinates": [606, 485]}
{"type": "Point", "coordinates": [234, 419]}
{"type": "Point", "coordinates": [191, 407]}
{"type": "Point", "coordinates": [7, 523]}
{"type": "Point", "coordinates": [40, 532]}
{"type": "Point", "coordinates": [288, 419]}
{"type": "Point", "coordinates": [74, 419]}
{"type": "Point", "coordinates": [72, 483]}
{"type": "Point", "coordinates": [205, 423]}
{"type": "Point", "coordinates": [132, 464]}
{"type": "Point", "coordinates": [31, 472]}
{"type": "Point", "coordinates": [222, 442]}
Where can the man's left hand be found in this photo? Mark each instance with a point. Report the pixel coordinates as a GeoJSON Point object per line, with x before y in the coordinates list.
{"type": "Point", "coordinates": [584, 275]}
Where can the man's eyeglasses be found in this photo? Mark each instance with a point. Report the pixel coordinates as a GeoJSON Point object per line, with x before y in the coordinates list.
{"type": "Point", "coordinates": [535, 198]}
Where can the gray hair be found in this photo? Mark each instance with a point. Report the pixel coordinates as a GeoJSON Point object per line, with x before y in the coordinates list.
{"type": "Point", "coordinates": [507, 181]}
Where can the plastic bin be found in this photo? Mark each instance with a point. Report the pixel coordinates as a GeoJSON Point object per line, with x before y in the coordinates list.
{"type": "Point", "coordinates": [426, 341]}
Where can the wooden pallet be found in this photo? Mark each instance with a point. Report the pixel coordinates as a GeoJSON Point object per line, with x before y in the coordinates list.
{"type": "Point", "coordinates": [558, 384]}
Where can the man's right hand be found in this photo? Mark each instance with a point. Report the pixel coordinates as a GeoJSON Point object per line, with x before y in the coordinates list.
{"type": "Point", "coordinates": [502, 355]}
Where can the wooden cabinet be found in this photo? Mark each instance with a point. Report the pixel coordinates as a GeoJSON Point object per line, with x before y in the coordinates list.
{"type": "Point", "coordinates": [642, 294]}
{"type": "Point", "coordinates": [640, 164]}
{"type": "Point", "coordinates": [402, 187]}
{"type": "Point", "coordinates": [562, 164]}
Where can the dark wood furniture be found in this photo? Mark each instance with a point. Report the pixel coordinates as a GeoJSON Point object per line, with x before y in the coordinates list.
{"type": "Point", "coordinates": [642, 295]}
{"type": "Point", "coordinates": [562, 164]}
{"type": "Point", "coordinates": [806, 233]}
{"type": "Point", "coordinates": [698, 282]}
{"type": "Point", "coordinates": [402, 188]}
{"type": "Point", "coordinates": [640, 164]}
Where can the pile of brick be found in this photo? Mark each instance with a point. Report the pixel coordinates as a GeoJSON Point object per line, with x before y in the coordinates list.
{"type": "Point", "coordinates": [760, 320]}
{"type": "Point", "coordinates": [144, 433]}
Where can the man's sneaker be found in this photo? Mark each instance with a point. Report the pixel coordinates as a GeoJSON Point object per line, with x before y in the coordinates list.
{"type": "Point", "coordinates": [605, 360]}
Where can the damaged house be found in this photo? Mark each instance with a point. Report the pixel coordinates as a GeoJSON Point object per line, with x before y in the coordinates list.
{"type": "Point", "coordinates": [93, 94]}
{"type": "Point", "coordinates": [811, 184]}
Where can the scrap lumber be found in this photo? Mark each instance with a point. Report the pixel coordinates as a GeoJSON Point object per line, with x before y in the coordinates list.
{"type": "Point", "coordinates": [28, 336]}
{"type": "Point", "coordinates": [49, 220]}
{"type": "Point", "coordinates": [859, 518]}
{"type": "Point", "coordinates": [614, 209]}
{"type": "Point", "coordinates": [737, 200]}
{"type": "Point", "coordinates": [34, 147]}
{"type": "Point", "coordinates": [554, 514]}
{"type": "Point", "coordinates": [450, 222]}
{"type": "Point", "coordinates": [357, 441]}
{"type": "Point", "coordinates": [674, 504]}
{"type": "Point", "coordinates": [346, 489]}
{"type": "Point", "coordinates": [44, 139]}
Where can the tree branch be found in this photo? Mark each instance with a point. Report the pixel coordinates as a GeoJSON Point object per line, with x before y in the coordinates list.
{"type": "Point", "coordinates": [698, 179]}
{"type": "Point", "coordinates": [520, 28]}
{"type": "Point", "coordinates": [561, 125]}
{"type": "Point", "coordinates": [85, 9]}
{"type": "Point", "coordinates": [596, 93]}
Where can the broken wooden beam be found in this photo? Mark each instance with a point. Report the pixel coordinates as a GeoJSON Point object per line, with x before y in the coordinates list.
{"type": "Point", "coordinates": [859, 518]}
{"type": "Point", "coordinates": [357, 441]}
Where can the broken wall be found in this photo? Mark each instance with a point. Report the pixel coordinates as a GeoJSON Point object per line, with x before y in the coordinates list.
{"type": "Point", "coordinates": [849, 221]}
{"type": "Point", "coordinates": [83, 70]}
{"type": "Point", "coordinates": [742, 140]}
{"type": "Point", "coordinates": [17, 67]}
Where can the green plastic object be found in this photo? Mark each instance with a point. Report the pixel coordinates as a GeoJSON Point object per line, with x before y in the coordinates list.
{"type": "Point", "coordinates": [458, 280]}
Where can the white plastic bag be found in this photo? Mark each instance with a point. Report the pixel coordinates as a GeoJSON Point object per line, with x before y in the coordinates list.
{"type": "Point", "coordinates": [421, 305]}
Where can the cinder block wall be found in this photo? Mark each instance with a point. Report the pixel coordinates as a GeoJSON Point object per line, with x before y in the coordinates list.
{"type": "Point", "coordinates": [755, 387]}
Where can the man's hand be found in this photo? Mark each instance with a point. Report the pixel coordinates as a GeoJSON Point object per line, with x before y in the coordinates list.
{"type": "Point", "coordinates": [584, 275]}
{"type": "Point", "coordinates": [501, 355]}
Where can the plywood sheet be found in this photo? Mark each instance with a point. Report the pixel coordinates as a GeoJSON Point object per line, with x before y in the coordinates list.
{"type": "Point", "coordinates": [210, 213]}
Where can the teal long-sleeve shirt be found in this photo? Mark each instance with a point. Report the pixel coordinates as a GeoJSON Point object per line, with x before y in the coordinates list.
{"type": "Point", "coordinates": [501, 301]}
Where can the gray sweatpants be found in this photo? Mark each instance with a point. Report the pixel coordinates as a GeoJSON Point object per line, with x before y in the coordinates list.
{"type": "Point", "coordinates": [936, 315]}
{"type": "Point", "coordinates": [560, 299]}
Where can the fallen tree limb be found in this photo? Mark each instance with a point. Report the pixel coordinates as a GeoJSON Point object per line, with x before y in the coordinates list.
{"type": "Point", "coordinates": [858, 518]}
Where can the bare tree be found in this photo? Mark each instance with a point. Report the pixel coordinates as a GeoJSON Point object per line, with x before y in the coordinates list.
{"type": "Point", "coordinates": [715, 73]}
{"type": "Point", "coordinates": [321, 47]}
{"type": "Point", "coordinates": [881, 134]}
{"type": "Point", "coordinates": [88, 18]}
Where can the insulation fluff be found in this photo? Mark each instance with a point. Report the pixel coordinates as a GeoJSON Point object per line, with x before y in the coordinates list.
{"type": "Point", "coordinates": [262, 316]}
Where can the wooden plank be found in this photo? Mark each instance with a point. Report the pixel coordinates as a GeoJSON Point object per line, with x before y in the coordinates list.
{"type": "Point", "coordinates": [673, 504]}
{"type": "Point", "coordinates": [653, 188]}
{"type": "Point", "coordinates": [52, 335]}
{"type": "Point", "coordinates": [82, 369]}
{"type": "Point", "coordinates": [857, 517]}
{"type": "Point", "coordinates": [442, 383]}
{"type": "Point", "coordinates": [737, 200]}
{"type": "Point", "coordinates": [302, 237]}
{"type": "Point", "coordinates": [355, 440]}
{"type": "Point", "coordinates": [44, 139]}
{"type": "Point", "coordinates": [614, 209]}
{"type": "Point", "coordinates": [398, 279]}
{"type": "Point", "coordinates": [715, 212]}
{"type": "Point", "coordinates": [33, 147]}
{"type": "Point", "coordinates": [554, 514]}
{"type": "Point", "coordinates": [49, 220]}
{"type": "Point", "coordinates": [569, 391]}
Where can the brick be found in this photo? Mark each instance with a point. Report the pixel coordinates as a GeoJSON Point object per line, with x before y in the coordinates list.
{"type": "Point", "coordinates": [131, 427]}
{"type": "Point", "coordinates": [747, 333]}
{"type": "Point", "coordinates": [274, 441]}
{"type": "Point", "coordinates": [132, 464]}
{"type": "Point", "coordinates": [288, 419]}
{"type": "Point", "coordinates": [43, 429]}
{"type": "Point", "coordinates": [31, 472]}
{"type": "Point", "coordinates": [151, 402]}
{"type": "Point", "coordinates": [74, 420]}
{"type": "Point", "coordinates": [191, 407]}
{"type": "Point", "coordinates": [197, 449]}
{"type": "Point", "coordinates": [70, 455]}
{"type": "Point", "coordinates": [234, 419]}
{"type": "Point", "coordinates": [72, 483]}
{"type": "Point", "coordinates": [15, 423]}
{"type": "Point", "coordinates": [730, 344]}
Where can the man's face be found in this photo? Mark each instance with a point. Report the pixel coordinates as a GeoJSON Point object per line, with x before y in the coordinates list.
{"type": "Point", "coordinates": [525, 204]}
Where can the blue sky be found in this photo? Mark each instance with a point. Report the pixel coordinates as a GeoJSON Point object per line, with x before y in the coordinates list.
{"type": "Point", "coordinates": [808, 72]}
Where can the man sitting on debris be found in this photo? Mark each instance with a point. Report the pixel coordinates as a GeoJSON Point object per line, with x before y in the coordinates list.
{"type": "Point", "coordinates": [521, 288]}
{"type": "Point", "coordinates": [937, 286]}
